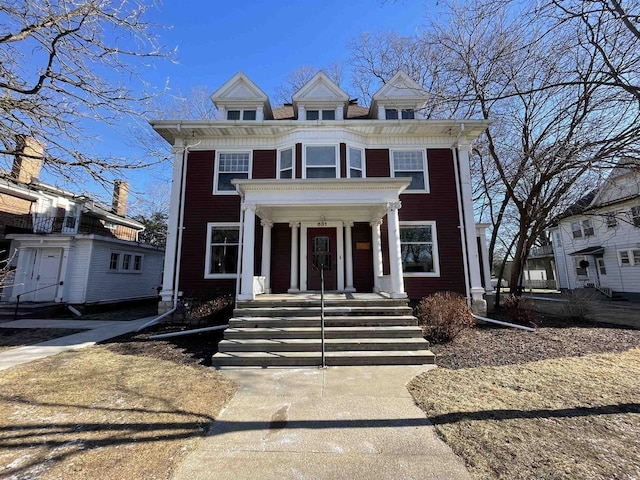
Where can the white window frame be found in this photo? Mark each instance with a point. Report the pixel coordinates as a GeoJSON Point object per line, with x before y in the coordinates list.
{"type": "Point", "coordinates": [293, 162]}
{"type": "Point", "coordinates": [304, 158]}
{"type": "Point", "coordinates": [320, 114]}
{"type": "Point", "coordinates": [207, 257]}
{"type": "Point", "coordinates": [576, 265]}
{"type": "Point", "coordinates": [242, 111]}
{"type": "Point", "coordinates": [425, 168]}
{"type": "Point", "coordinates": [120, 263]}
{"type": "Point", "coordinates": [434, 250]}
{"type": "Point", "coordinates": [610, 220]}
{"type": "Point", "coordinates": [628, 255]}
{"type": "Point", "coordinates": [217, 170]}
{"type": "Point", "coordinates": [364, 163]}
{"type": "Point", "coordinates": [635, 217]}
{"type": "Point", "coordinates": [587, 228]}
{"type": "Point", "coordinates": [399, 112]}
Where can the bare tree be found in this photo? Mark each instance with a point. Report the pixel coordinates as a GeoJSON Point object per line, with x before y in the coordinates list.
{"type": "Point", "coordinates": [557, 120]}
{"type": "Point", "coordinates": [64, 65]}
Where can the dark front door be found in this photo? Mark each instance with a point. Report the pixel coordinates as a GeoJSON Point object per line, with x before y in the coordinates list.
{"type": "Point", "coordinates": [321, 253]}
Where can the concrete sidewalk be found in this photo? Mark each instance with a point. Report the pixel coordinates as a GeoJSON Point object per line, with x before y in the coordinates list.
{"type": "Point", "coordinates": [104, 331]}
{"type": "Point", "coordinates": [338, 423]}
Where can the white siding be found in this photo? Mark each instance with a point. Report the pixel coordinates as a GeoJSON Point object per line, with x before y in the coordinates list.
{"type": "Point", "coordinates": [77, 271]}
{"type": "Point", "coordinates": [103, 285]}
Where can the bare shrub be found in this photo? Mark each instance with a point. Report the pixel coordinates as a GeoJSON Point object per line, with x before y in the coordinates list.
{"type": "Point", "coordinates": [443, 316]}
{"type": "Point", "coordinates": [521, 311]}
{"type": "Point", "coordinates": [579, 304]}
{"type": "Point", "coordinates": [207, 312]}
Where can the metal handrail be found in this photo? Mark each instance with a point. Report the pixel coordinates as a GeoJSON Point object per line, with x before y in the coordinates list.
{"type": "Point", "coordinates": [15, 312]}
{"type": "Point", "coordinates": [322, 314]}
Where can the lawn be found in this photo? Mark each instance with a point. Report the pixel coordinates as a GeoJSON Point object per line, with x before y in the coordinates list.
{"type": "Point", "coordinates": [97, 413]}
{"type": "Point", "coordinates": [561, 403]}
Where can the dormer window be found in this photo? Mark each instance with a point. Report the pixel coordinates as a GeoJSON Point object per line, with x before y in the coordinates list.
{"type": "Point", "coordinates": [317, 114]}
{"type": "Point", "coordinates": [238, 114]}
{"type": "Point", "coordinates": [395, 114]}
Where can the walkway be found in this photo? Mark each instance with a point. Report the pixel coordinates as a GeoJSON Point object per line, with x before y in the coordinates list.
{"type": "Point", "coordinates": [97, 331]}
{"type": "Point", "coordinates": [338, 423]}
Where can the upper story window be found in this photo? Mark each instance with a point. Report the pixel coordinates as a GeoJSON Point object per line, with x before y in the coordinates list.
{"type": "Point", "coordinates": [395, 114]}
{"type": "Point", "coordinates": [241, 114]}
{"type": "Point", "coordinates": [286, 163]}
{"type": "Point", "coordinates": [230, 165]}
{"type": "Point", "coordinates": [356, 162]}
{"type": "Point", "coordinates": [321, 161]}
{"type": "Point", "coordinates": [411, 163]}
{"type": "Point", "coordinates": [582, 229]}
{"type": "Point", "coordinates": [635, 216]}
{"type": "Point", "coordinates": [318, 114]}
{"type": "Point", "coordinates": [611, 220]}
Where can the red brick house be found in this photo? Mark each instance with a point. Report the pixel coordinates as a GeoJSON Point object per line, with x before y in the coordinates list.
{"type": "Point", "coordinates": [379, 195]}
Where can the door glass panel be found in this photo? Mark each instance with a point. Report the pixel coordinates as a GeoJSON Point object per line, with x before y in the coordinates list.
{"type": "Point", "coordinates": [322, 253]}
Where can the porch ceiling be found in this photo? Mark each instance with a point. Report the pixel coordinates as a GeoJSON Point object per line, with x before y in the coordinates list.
{"type": "Point", "coordinates": [357, 199]}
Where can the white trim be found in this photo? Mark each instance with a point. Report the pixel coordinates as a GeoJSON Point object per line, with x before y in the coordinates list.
{"type": "Point", "coordinates": [362, 158]}
{"type": "Point", "coordinates": [216, 170]}
{"type": "Point", "coordinates": [207, 256]}
{"type": "Point", "coordinates": [425, 167]}
{"type": "Point", "coordinates": [434, 251]}
{"type": "Point", "coordinates": [336, 157]}
{"type": "Point", "coordinates": [293, 161]}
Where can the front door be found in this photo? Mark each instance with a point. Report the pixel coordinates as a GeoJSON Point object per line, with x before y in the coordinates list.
{"type": "Point", "coordinates": [601, 268]}
{"type": "Point", "coordinates": [322, 253]}
{"type": "Point", "coordinates": [46, 268]}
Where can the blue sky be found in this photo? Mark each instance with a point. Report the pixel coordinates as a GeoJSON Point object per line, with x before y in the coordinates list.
{"type": "Point", "coordinates": [264, 39]}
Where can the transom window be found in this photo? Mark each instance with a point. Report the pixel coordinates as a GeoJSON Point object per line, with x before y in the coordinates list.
{"type": "Point", "coordinates": [410, 163]}
{"type": "Point", "coordinates": [231, 165]}
{"type": "Point", "coordinates": [285, 163]}
{"type": "Point", "coordinates": [222, 252]}
{"type": "Point", "coordinates": [356, 162]}
{"type": "Point", "coordinates": [321, 161]}
{"type": "Point", "coordinates": [238, 114]}
{"type": "Point", "coordinates": [324, 114]}
{"type": "Point", "coordinates": [418, 249]}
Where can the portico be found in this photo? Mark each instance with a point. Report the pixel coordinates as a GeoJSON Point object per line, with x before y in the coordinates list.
{"type": "Point", "coordinates": [320, 214]}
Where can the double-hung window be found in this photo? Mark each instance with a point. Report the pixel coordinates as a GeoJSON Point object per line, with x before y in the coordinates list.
{"type": "Point", "coordinates": [356, 162]}
{"type": "Point", "coordinates": [411, 163]}
{"type": "Point", "coordinates": [221, 259]}
{"type": "Point", "coordinates": [395, 114]}
{"type": "Point", "coordinates": [321, 161]}
{"type": "Point", "coordinates": [581, 268]}
{"type": "Point", "coordinates": [418, 248]}
{"type": "Point", "coordinates": [635, 216]}
{"type": "Point", "coordinates": [582, 229]}
{"type": "Point", "coordinates": [231, 165]}
{"type": "Point", "coordinates": [285, 163]}
{"type": "Point", "coordinates": [611, 220]}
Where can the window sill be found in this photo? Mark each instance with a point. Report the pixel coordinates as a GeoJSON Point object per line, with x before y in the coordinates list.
{"type": "Point", "coordinates": [420, 274]}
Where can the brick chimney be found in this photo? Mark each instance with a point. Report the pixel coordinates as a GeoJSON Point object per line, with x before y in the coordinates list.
{"type": "Point", "coordinates": [28, 160]}
{"type": "Point", "coordinates": [120, 196]}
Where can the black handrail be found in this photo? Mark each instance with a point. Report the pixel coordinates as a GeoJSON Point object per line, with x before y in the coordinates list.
{"type": "Point", "coordinates": [322, 312]}
{"type": "Point", "coordinates": [15, 313]}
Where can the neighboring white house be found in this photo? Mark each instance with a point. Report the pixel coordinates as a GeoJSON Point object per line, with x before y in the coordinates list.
{"type": "Point", "coordinates": [597, 242]}
{"type": "Point", "coordinates": [67, 248]}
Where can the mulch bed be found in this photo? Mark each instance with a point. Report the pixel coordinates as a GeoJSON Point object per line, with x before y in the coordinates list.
{"type": "Point", "coordinates": [558, 337]}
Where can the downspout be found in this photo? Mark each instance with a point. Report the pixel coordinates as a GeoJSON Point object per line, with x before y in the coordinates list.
{"type": "Point", "coordinates": [462, 227]}
{"type": "Point", "coordinates": [240, 247]}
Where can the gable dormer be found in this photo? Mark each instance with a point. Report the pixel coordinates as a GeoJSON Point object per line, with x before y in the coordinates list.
{"type": "Point", "coordinates": [401, 98]}
{"type": "Point", "coordinates": [242, 100]}
{"type": "Point", "coordinates": [320, 99]}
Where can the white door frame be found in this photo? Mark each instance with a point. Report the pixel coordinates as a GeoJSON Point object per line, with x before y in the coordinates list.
{"type": "Point", "coordinates": [304, 226]}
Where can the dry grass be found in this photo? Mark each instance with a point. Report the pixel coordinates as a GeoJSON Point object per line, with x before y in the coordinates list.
{"type": "Point", "coordinates": [98, 414]}
{"type": "Point", "coordinates": [564, 418]}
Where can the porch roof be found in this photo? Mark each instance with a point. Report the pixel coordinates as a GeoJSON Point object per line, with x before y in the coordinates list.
{"type": "Point", "coordinates": [597, 250]}
{"type": "Point", "coordinates": [355, 199]}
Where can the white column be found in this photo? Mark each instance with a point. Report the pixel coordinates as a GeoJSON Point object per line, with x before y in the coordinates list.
{"type": "Point", "coordinates": [395, 257]}
{"type": "Point", "coordinates": [377, 253]}
{"type": "Point", "coordinates": [170, 258]}
{"type": "Point", "coordinates": [348, 256]}
{"type": "Point", "coordinates": [340, 113]}
{"type": "Point", "coordinates": [248, 247]}
{"type": "Point", "coordinates": [302, 114]}
{"type": "Point", "coordinates": [478, 303]}
{"type": "Point", "coordinates": [294, 257]}
{"type": "Point", "coordinates": [382, 115]}
{"type": "Point", "coordinates": [265, 269]}
{"type": "Point", "coordinates": [260, 114]}
{"type": "Point", "coordinates": [481, 230]}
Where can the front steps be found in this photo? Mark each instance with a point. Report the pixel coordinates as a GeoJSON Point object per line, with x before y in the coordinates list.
{"type": "Point", "coordinates": [276, 331]}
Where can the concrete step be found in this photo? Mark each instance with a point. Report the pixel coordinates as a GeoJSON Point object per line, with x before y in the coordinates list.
{"type": "Point", "coordinates": [369, 357]}
{"type": "Point", "coordinates": [330, 332]}
{"type": "Point", "coordinates": [315, 344]}
{"type": "Point", "coordinates": [382, 302]}
{"type": "Point", "coordinates": [328, 311]}
{"type": "Point", "coordinates": [313, 321]}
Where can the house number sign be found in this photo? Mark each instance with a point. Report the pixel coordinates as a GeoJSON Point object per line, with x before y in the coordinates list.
{"type": "Point", "coordinates": [322, 224]}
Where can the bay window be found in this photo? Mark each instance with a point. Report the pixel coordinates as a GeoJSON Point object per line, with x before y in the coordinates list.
{"type": "Point", "coordinates": [356, 162]}
{"type": "Point", "coordinates": [285, 163]}
{"type": "Point", "coordinates": [321, 161]}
